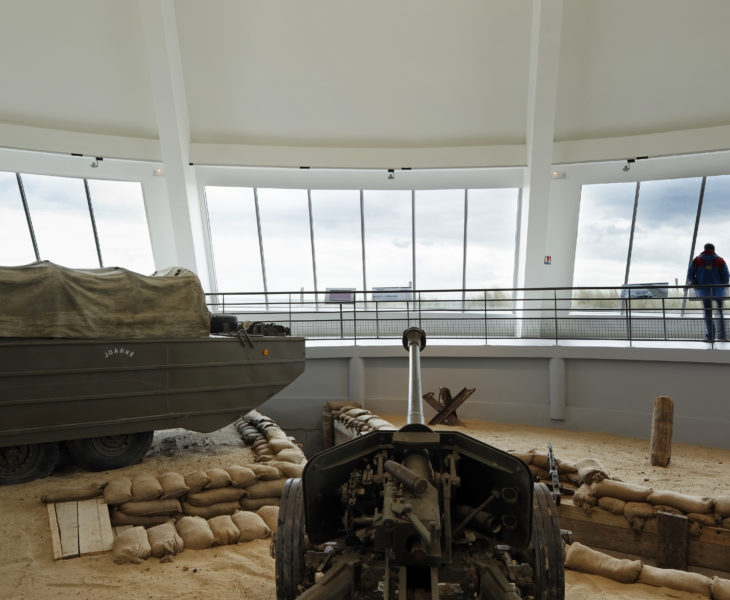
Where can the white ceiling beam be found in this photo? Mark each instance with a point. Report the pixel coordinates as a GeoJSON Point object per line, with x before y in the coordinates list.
{"type": "Point", "coordinates": [185, 226]}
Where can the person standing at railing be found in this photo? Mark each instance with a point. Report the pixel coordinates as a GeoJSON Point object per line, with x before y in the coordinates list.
{"type": "Point", "coordinates": [707, 270]}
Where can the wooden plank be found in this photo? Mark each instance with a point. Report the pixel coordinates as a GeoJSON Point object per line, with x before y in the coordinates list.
{"type": "Point", "coordinates": [55, 534]}
{"type": "Point", "coordinates": [672, 541]}
{"type": "Point", "coordinates": [107, 535]}
{"type": "Point", "coordinates": [68, 527]}
{"type": "Point", "coordinates": [89, 528]}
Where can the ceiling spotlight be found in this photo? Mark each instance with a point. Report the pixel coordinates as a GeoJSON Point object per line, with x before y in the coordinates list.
{"type": "Point", "coordinates": [95, 163]}
{"type": "Point", "coordinates": [391, 174]}
{"type": "Point", "coordinates": [627, 166]}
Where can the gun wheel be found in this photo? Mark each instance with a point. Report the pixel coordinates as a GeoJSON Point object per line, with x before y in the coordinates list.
{"type": "Point", "coordinates": [547, 544]}
{"type": "Point", "coordinates": [289, 542]}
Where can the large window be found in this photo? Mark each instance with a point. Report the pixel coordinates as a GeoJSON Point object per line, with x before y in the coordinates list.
{"type": "Point", "coordinates": [16, 246]}
{"type": "Point", "coordinates": [715, 216]}
{"type": "Point", "coordinates": [318, 239]}
{"type": "Point", "coordinates": [76, 223]}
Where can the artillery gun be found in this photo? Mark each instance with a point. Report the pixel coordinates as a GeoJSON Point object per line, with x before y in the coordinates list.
{"type": "Point", "coordinates": [417, 514]}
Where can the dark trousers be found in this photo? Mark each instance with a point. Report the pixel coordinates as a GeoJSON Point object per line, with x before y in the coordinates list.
{"type": "Point", "coordinates": [709, 326]}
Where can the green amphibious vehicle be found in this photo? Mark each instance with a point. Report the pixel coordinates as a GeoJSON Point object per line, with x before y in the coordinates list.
{"type": "Point", "coordinates": [96, 360]}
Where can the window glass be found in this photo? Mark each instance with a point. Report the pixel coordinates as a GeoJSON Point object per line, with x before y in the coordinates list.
{"type": "Point", "coordinates": [439, 239]}
{"type": "Point", "coordinates": [665, 221]}
{"type": "Point", "coordinates": [61, 220]}
{"type": "Point", "coordinates": [604, 227]}
{"type": "Point", "coordinates": [234, 239]}
{"type": "Point", "coordinates": [715, 217]}
{"type": "Point", "coordinates": [388, 237]}
{"type": "Point", "coordinates": [121, 223]}
{"type": "Point", "coordinates": [337, 238]}
{"type": "Point", "coordinates": [286, 240]}
{"type": "Point", "coordinates": [16, 245]}
{"type": "Point", "coordinates": [490, 241]}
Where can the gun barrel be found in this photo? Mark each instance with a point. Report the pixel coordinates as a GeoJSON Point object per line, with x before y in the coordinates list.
{"type": "Point", "coordinates": [414, 340]}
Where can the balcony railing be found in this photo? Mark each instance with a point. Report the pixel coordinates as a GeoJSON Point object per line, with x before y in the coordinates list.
{"type": "Point", "coordinates": [637, 312]}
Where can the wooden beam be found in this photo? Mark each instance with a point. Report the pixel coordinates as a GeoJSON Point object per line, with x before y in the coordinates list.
{"type": "Point", "coordinates": [68, 527]}
{"type": "Point", "coordinates": [671, 541]}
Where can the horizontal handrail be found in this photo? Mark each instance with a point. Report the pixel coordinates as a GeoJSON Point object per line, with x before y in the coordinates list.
{"type": "Point", "coordinates": [635, 312]}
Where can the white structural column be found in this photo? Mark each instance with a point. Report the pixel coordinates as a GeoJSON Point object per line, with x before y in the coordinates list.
{"type": "Point", "coordinates": [182, 204]}
{"type": "Point", "coordinates": [547, 16]}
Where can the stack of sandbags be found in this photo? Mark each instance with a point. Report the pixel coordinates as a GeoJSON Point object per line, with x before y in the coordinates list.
{"type": "Point", "coordinates": [539, 465]}
{"type": "Point", "coordinates": [146, 500]}
{"type": "Point", "coordinates": [136, 544]}
{"type": "Point", "coordinates": [360, 421]}
{"type": "Point", "coordinates": [268, 440]}
{"type": "Point", "coordinates": [637, 503]}
{"type": "Point", "coordinates": [582, 558]}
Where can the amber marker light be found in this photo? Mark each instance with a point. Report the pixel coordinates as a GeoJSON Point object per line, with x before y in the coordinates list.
{"type": "Point", "coordinates": [266, 352]}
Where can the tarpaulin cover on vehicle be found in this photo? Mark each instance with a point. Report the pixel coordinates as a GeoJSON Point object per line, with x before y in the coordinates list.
{"type": "Point", "coordinates": [43, 299]}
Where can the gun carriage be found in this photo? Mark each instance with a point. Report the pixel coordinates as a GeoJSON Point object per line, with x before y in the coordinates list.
{"type": "Point", "coordinates": [417, 513]}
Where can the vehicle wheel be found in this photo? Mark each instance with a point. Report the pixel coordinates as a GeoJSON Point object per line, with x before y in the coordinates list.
{"type": "Point", "coordinates": [28, 462]}
{"type": "Point", "coordinates": [110, 452]}
{"type": "Point", "coordinates": [547, 544]}
{"type": "Point", "coordinates": [289, 542]}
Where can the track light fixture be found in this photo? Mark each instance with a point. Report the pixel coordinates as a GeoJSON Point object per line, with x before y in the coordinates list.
{"type": "Point", "coordinates": [627, 167]}
{"type": "Point", "coordinates": [95, 163]}
{"type": "Point", "coordinates": [391, 173]}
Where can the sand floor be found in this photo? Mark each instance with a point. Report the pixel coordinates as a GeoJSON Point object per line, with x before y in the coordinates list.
{"type": "Point", "coordinates": [246, 571]}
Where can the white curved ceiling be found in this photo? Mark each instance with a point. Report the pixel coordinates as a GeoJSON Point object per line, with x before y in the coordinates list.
{"type": "Point", "coordinates": [338, 82]}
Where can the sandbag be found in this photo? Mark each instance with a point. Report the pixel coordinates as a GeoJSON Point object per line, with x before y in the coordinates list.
{"type": "Point", "coordinates": [292, 455]}
{"type": "Point", "coordinates": [586, 560]}
{"type": "Point", "coordinates": [722, 506]}
{"type": "Point", "coordinates": [224, 530]}
{"type": "Point", "coordinates": [256, 503]}
{"type": "Point", "coordinates": [266, 472]}
{"type": "Point", "coordinates": [152, 507]}
{"type": "Point", "coordinates": [538, 473]}
{"type": "Point", "coordinates": [250, 525]}
{"type": "Point", "coordinates": [217, 478]}
{"type": "Point", "coordinates": [118, 518]}
{"type": "Point", "coordinates": [215, 496]}
{"type": "Point", "coordinates": [720, 588]}
{"type": "Point", "coordinates": [131, 546]}
{"type": "Point", "coordinates": [270, 515]}
{"type": "Point", "coordinates": [584, 497]}
{"type": "Point", "coordinates": [640, 510]}
{"type": "Point", "coordinates": [196, 480]}
{"type": "Point", "coordinates": [682, 581]}
{"type": "Point", "coordinates": [525, 457]}
{"type": "Point", "coordinates": [289, 469]}
{"type": "Point", "coordinates": [684, 502]}
{"type": "Point", "coordinates": [164, 540]}
{"type": "Point", "coordinates": [241, 476]}
{"type": "Point", "coordinates": [118, 490]}
{"type": "Point", "coordinates": [195, 532]}
{"type": "Point", "coordinates": [703, 519]}
{"type": "Point", "coordinates": [590, 470]}
{"type": "Point", "coordinates": [619, 489]}
{"type": "Point", "coordinates": [145, 487]}
{"type": "Point", "coordinates": [173, 485]}
{"type": "Point", "coordinates": [541, 461]}
{"type": "Point", "coordinates": [566, 467]}
{"type": "Point", "coordinates": [277, 445]}
{"type": "Point", "coordinates": [265, 489]}
{"type": "Point", "coordinates": [612, 505]}
{"type": "Point", "coordinates": [213, 510]}
{"type": "Point", "coordinates": [69, 494]}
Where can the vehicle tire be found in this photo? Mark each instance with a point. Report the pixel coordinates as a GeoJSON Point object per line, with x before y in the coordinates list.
{"type": "Point", "coordinates": [27, 462]}
{"type": "Point", "coordinates": [289, 542]}
{"type": "Point", "coordinates": [547, 544]}
{"type": "Point", "coordinates": [110, 452]}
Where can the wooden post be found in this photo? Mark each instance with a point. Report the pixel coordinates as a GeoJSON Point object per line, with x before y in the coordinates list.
{"type": "Point", "coordinates": [661, 431]}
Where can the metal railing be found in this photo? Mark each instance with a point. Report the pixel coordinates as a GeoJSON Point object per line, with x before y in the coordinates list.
{"type": "Point", "coordinates": [637, 312]}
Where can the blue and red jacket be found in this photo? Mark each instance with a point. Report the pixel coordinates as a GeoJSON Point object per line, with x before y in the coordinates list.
{"type": "Point", "coordinates": [708, 269]}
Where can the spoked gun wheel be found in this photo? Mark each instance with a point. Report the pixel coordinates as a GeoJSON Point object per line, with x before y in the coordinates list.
{"type": "Point", "coordinates": [289, 543]}
{"type": "Point", "coordinates": [547, 545]}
